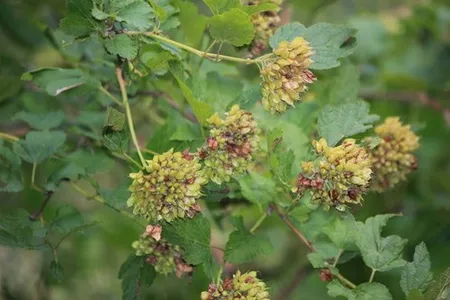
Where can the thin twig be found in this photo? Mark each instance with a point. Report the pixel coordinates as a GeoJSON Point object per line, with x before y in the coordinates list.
{"type": "Point", "coordinates": [286, 291]}
{"type": "Point", "coordinates": [171, 102]}
{"type": "Point", "coordinates": [308, 244]}
{"type": "Point", "coordinates": [123, 91]}
{"type": "Point", "coordinates": [409, 97]}
{"type": "Point", "coordinates": [293, 228]}
{"type": "Point", "coordinates": [258, 223]}
{"type": "Point", "coordinates": [372, 275]}
{"type": "Point", "coordinates": [8, 137]}
{"type": "Point", "coordinates": [102, 201]}
{"type": "Point", "coordinates": [37, 215]}
{"type": "Point", "coordinates": [197, 52]}
{"type": "Point", "coordinates": [113, 98]}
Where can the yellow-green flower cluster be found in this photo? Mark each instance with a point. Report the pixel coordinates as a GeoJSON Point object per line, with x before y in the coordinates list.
{"type": "Point", "coordinates": [165, 257]}
{"type": "Point", "coordinates": [338, 176]}
{"type": "Point", "coordinates": [243, 286]}
{"type": "Point", "coordinates": [167, 188]}
{"type": "Point", "coordinates": [393, 158]}
{"type": "Point", "coordinates": [229, 147]}
{"type": "Point", "coordinates": [265, 24]}
{"type": "Point", "coordinates": [288, 76]}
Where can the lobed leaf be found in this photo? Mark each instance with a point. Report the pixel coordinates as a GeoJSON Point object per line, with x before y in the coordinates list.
{"type": "Point", "coordinates": [339, 121]}
{"type": "Point", "coordinates": [417, 274]}
{"type": "Point", "coordinates": [39, 145]}
{"type": "Point", "coordinates": [234, 27]}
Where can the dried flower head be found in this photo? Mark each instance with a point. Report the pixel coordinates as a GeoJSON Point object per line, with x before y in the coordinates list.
{"type": "Point", "coordinates": [288, 76]}
{"type": "Point", "coordinates": [338, 176]}
{"type": "Point", "coordinates": [265, 24]}
{"type": "Point", "coordinates": [393, 158]}
{"type": "Point", "coordinates": [165, 257]}
{"type": "Point", "coordinates": [229, 147]}
{"type": "Point", "coordinates": [167, 188]}
{"type": "Point", "coordinates": [242, 286]}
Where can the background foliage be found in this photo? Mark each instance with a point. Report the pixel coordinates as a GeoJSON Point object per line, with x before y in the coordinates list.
{"type": "Point", "coordinates": [401, 66]}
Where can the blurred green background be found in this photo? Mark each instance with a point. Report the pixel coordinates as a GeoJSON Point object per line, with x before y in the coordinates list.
{"type": "Point", "coordinates": [403, 58]}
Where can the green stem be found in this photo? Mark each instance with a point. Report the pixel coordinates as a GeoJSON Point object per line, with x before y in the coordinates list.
{"type": "Point", "coordinates": [336, 259]}
{"type": "Point", "coordinates": [132, 160]}
{"type": "Point", "coordinates": [346, 281]}
{"type": "Point", "coordinates": [372, 275]}
{"type": "Point", "coordinates": [33, 174]}
{"type": "Point", "coordinates": [219, 275]}
{"type": "Point", "coordinates": [258, 223]}
{"type": "Point", "coordinates": [208, 55]}
{"type": "Point", "coordinates": [8, 137]}
{"type": "Point", "coordinates": [123, 91]}
{"type": "Point", "coordinates": [113, 98]}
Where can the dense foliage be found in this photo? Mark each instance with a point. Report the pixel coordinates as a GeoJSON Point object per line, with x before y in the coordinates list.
{"type": "Point", "coordinates": [228, 149]}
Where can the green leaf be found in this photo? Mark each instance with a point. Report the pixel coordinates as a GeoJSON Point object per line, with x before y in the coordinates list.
{"type": "Point", "coordinates": [248, 98]}
{"type": "Point", "coordinates": [41, 121]}
{"type": "Point", "coordinates": [39, 145]}
{"type": "Point", "coordinates": [280, 159]}
{"type": "Point", "coordinates": [379, 253]}
{"type": "Point", "coordinates": [234, 27]}
{"type": "Point", "coordinates": [79, 21]}
{"type": "Point", "coordinates": [340, 121]}
{"type": "Point", "coordinates": [92, 163]}
{"type": "Point", "coordinates": [365, 291]}
{"type": "Point", "coordinates": [57, 271]}
{"type": "Point", "coordinates": [243, 246]}
{"type": "Point", "coordinates": [114, 119]}
{"type": "Point", "coordinates": [17, 231]}
{"type": "Point", "coordinates": [69, 171]}
{"type": "Point", "coordinates": [201, 110]}
{"type": "Point", "coordinates": [329, 42]}
{"type": "Point", "coordinates": [193, 31]}
{"type": "Point", "coordinates": [415, 295]}
{"type": "Point", "coordinates": [122, 45]}
{"type": "Point", "coordinates": [439, 286]}
{"type": "Point", "coordinates": [137, 13]}
{"type": "Point", "coordinates": [416, 274]}
{"type": "Point", "coordinates": [156, 58]}
{"type": "Point", "coordinates": [194, 236]}
{"type": "Point", "coordinates": [135, 272]}
{"type": "Point", "coordinates": [220, 6]}
{"type": "Point", "coordinates": [67, 219]}
{"type": "Point", "coordinates": [341, 232]}
{"type": "Point", "coordinates": [316, 259]}
{"type": "Point", "coordinates": [336, 289]}
{"type": "Point", "coordinates": [257, 188]}
{"type": "Point", "coordinates": [115, 136]}
{"type": "Point", "coordinates": [116, 197]}
{"type": "Point", "coordinates": [56, 80]}
{"type": "Point", "coordinates": [342, 88]}
{"type": "Point", "coordinates": [98, 14]}
{"type": "Point", "coordinates": [287, 32]}
{"type": "Point", "coordinates": [260, 7]}
{"type": "Point", "coordinates": [10, 170]}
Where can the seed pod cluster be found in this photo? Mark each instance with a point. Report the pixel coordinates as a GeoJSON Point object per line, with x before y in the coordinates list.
{"type": "Point", "coordinates": [243, 286]}
{"type": "Point", "coordinates": [167, 188]}
{"type": "Point", "coordinates": [265, 24]}
{"type": "Point", "coordinates": [338, 176]}
{"type": "Point", "coordinates": [229, 147]}
{"type": "Point", "coordinates": [165, 257]}
{"type": "Point", "coordinates": [393, 158]}
{"type": "Point", "coordinates": [285, 78]}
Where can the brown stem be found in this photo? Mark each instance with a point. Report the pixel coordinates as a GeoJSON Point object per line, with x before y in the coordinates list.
{"type": "Point", "coordinates": [308, 243]}
{"type": "Point", "coordinates": [293, 228]}
{"type": "Point", "coordinates": [37, 214]}
{"type": "Point", "coordinates": [409, 97]}
{"type": "Point", "coordinates": [286, 291]}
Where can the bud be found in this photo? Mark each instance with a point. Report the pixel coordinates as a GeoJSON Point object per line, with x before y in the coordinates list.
{"type": "Point", "coordinates": [230, 145]}
{"type": "Point", "coordinates": [165, 257]}
{"type": "Point", "coordinates": [338, 176]}
{"type": "Point", "coordinates": [393, 158]}
{"type": "Point", "coordinates": [242, 286]}
{"type": "Point", "coordinates": [167, 188]}
{"type": "Point", "coordinates": [288, 76]}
